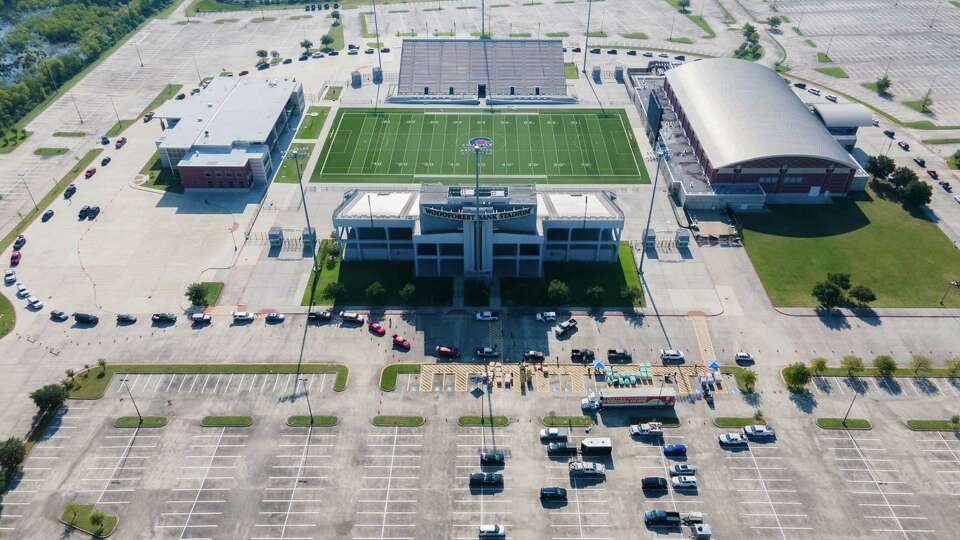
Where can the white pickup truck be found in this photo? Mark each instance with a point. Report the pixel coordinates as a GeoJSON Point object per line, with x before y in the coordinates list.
{"type": "Point", "coordinates": [587, 468]}
{"type": "Point", "coordinates": [652, 429]}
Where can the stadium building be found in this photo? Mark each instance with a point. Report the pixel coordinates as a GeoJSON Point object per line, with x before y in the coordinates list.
{"type": "Point", "coordinates": [843, 120]}
{"type": "Point", "coordinates": [230, 134]}
{"type": "Point", "coordinates": [735, 134]}
{"type": "Point", "coordinates": [494, 231]}
{"type": "Point", "coordinates": [464, 71]}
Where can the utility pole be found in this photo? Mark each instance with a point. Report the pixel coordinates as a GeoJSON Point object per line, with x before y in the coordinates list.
{"type": "Point", "coordinates": [673, 24]}
{"type": "Point", "coordinates": [306, 214]}
{"type": "Point", "coordinates": [35, 207]}
{"type": "Point", "coordinates": [114, 105]}
{"type": "Point", "coordinates": [197, 67]}
{"type": "Point", "coordinates": [586, 38]}
{"type": "Point", "coordinates": [125, 385]}
{"type": "Point", "coordinates": [653, 194]}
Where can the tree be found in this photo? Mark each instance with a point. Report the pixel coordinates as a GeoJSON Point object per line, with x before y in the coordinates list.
{"type": "Point", "coordinates": [853, 364]}
{"type": "Point", "coordinates": [748, 378]}
{"type": "Point", "coordinates": [926, 101]}
{"type": "Point", "coordinates": [97, 518]}
{"type": "Point", "coordinates": [818, 364]}
{"type": "Point", "coordinates": [828, 294]}
{"type": "Point", "coordinates": [903, 176]}
{"type": "Point", "coordinates": [12, 453]}
{"type": "Point", "coordinates": [196, 294]}
{"type": "Point", "coordinates": [917, 194]}
{"type": "Point", "coordinates": [558, 292]}
{"type": "Point", "coordinates": [49, 398]}
{"type": "Point", "coordinates": [408, 293]}
{"type": "Point", "coordinates": [797, 376]}
{"type": "Point", "coordinates": [307, 45]}
{"type": "Point", "coordinates": [102, 364]}
{"type": "Point", "coordinates": [883, 84]}
{"type": "Point", "coordinates": [326, 40]}
{"type": "Point", "coordinates": [375, 292]}
{"type": "Point", "coordinates": [631, 294]}
{"type": "Point", "coordinates": [880, 166]}
{"type": "Point", "coordinates": [839, 279]}
{"type": "Point", "coordinates": [885, 365]}
{"type": "Point", "coordinates": [919, 362]}
{"type": "Point", "coordinates": [954, 365]}
{"type": "Point", "coordinates": [775, 21]}
{"type": "Point", "coordinates": [263, 54]}
{"type": "Point", "coordinates": [336, 18]}
{"type": "Point", "coordinates": [862, 294]}
{"type": "Point", "coordinates": [684, 5]}
{"type": "Point", "coordinates": [335, 291]}
{"type": "Point", "coordinates": [750, 33]}
{"type": "Point", "coordinates": [955, 420]}
{"type": "Point", "coordinates": [595, 295]}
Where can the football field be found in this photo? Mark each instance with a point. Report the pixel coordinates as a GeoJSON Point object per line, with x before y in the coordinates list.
{"type": "Point", "coordinates": [425, 145]}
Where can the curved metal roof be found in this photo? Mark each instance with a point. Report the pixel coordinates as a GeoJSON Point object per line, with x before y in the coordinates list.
{"type": "Point", "coordinates": [743, 111]}
{"type": "Point", "coordinates": [844, 114]}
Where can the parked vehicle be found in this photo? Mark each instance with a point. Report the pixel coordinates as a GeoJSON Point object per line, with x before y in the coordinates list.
{"type": "Point", "coordinates": [800, 85]}
{"type": "Point", "coordinates": [90, 172]}
{"type": "Point", "coordinates": [485, 479]}
{"type": "Point", "coordinates": [126, 318]}
{"type": "Point", "coordinates": [594, 51]}
{"type": "Point", "coordinates": [904, 145]}
{"type": "Point", "coordinates": [58, 316]}
{"type": "Point", "coordinates": [123, 140]}
{"type": "Point", "coordinates": [547, 316]}
{"type": "Point", "coordinates": [933, 174]}
{"type": "Point", "coordinates": [19, 241]}
{"type": "Point", "coordinates": [670, 355]}
{"type": "Point", "coordinates": [82, 214]}
{"type": "Point", "coordinates": [562, 448]}
{"type": "Point", "coordinates": [34, 303]}
{"type": "Point", "coordinates": [732, 439]}
{"type": "Point", "coordinates": [533, 356]}
{"type": "Point", "coordinates": [596, 446]}
{"type": "Point", "coordinates": [759, 431]}
{"type": "Point", "coordinates": [200, 318]}
{"type": "Point", "coordinates": [582, 355]}
{"type": "Point", "coordinates": [553, 493]}
{"type": "Point", "coordinates": [447, 351]}
{"type": "Point", "coordinates": [492, 458]}
{"type": "Point", "coordinates": [105, 161]}
{"type": "Point", "coordinates": [662, 518]}
{"type": "Point", "coordinates": [93, 212]}
{"type": "Point", "coordinates": [9, 277]}
{"type": "Point", "coordinates": [682, 469]}
{"type": "Point", "coordinates": [486, 352]}
{"type": "Point", "coordinates": [684, 482]}
{"type": "Point", "coordinates": [376, 328]}
{"type": "Point", "coordinates": [287, 61]}
{"type": "Point", "coordinates": [920, 161]}
{"type": "Point", "coordinates": [487, 316]}
{"type": "Point", "coordinates": [67, 193]}
{"type": "Point", "coordinates": [890, 133]}
{"type": "Point", "coordinates": [564, 327]}
{"type": "Point", "coordinates": [654, 483]}
{"type": "Point", "coordinates": [148, 117]}
{"type": "Point", "coordinates": [46, 216]}
{"type": "Point", "coordinates": [494, 530]}
{"type": "Point", "coordinates": [675, 450]}
{"type": "Point", "coordinates": [642, 396]}
{"type": "Point", "coordinates": [104, 140]}
{"type": "Point", "coordinates": [588, 469]}
{"type": "Point", "coordinates": [632, 52]}
{"type": "Point", "coordinates": [85, 318]}
{"type": "Point", "coordinates": [164, 318]}
{"type": "Point", "coordinates": [814, 91]}
{"type": "Point", "coordinates": [553, 434]}
{"type": "Point", "coordinates": [743, 358]}
{"type": "Point", "coordinates": [350, 317]}
{"type": "Point", "coordinates": [242, 316]}
{"type": "Point", "coordinates": [15, 258]}
{"type": "Point", "coordinates": [400, 342]}
{"type": "Point", "coordinates": [274, 318]}
{"type": "Point", "coordinates": [650, 429]}
{"type": "Point", "coordinates": [242, 73]}
{"type": "Point", "coordinates": [946, 186]}
{"type": "Point", "coordinates": [618, 354]}
{"type": "Point", "coordinates": [831, 97]}
{"type": "Point", "coordinates": [320, 316]}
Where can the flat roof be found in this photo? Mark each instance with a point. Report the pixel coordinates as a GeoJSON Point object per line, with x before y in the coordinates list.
{"type": "Point", "coordinates": [229, 110]}
{"type": "Point", "coordinates": [385, 204]}
{"type": "Point", "coordinates": [576, 205]}
{"type": "Point", "coordinates": [843, 114]}
{"type": "Point", "coordinates": [223, 157]}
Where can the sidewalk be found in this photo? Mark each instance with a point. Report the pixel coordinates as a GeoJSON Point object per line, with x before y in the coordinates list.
{"type": "Point", "coordinates": [868, 313]}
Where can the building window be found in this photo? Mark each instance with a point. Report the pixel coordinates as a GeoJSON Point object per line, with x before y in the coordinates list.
{"type": "Point", "coordinates": [218, 174]}
{"type": "Point", "coordinates": [768, 179]}
{"type": "Point", "coordinates": [792, 179]}
{"type": "Point", "coordinates": [207, 174]}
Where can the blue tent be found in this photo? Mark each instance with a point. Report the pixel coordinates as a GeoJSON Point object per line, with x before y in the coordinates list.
{"type": "Point", "coordinates": [598, 364]}
{"type": "Point", "coordinates": [713, 364]}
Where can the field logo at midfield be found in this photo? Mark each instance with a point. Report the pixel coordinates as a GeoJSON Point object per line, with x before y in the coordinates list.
{"type": "Point", "coordinates": [482, 142]}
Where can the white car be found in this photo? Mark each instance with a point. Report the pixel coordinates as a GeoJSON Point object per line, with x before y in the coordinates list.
{"type": "Point", "coordinates": [759, 431]}
{"type": "Point", "coordinates": [34, 303]}
{"type": "Point", "coordinates": [671, 355]}
{"type": "Point", "coordinates": [552, 434]}
{"type": "Point", "coordinates": [274, 318]}
{"type": "Point", "coordinates": [744, 358]}
{"type": "Point", "coordinates": [682, 469]}
{"type": "Point", "coordinates": [200, 318]}
{"type": "Point", "coordinates": [9, 277]}
{"type": "Point", "coordinates": [831, 97]}
{"type": "Point", "coordinates": [494, 530]}
{"type": "Point", "coordinates": [22, 291]}
{"type": "Point", "coordinates": [732, 439]}
{"type": "Point", "coordinates": [242, 316]}
{"type": "Point", "coordinates": [487, 316]}
{"type": "Point", "coordinates": [546, 316]}
{"type": "Point", "coordinates": [814, 91]}
{"type": "Point", "coordinates": [646, 430]}
{"type": "Point", "coordinates": [684, 482]}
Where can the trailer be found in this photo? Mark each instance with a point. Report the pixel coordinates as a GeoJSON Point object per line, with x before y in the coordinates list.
{"type": "Point", "coordinates": [596, 446]}
{"type": "Point", "coordinates": [630, 397]}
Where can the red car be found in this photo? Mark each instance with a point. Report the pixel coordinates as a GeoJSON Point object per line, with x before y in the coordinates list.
{"type": "Point", "coordinates": [400, 342]}
{"type": "Point", "coordinates": [120, 142]}
{"type": "Point", "coordinates": [15, 258]}
{"type": "Point", "coordinates": [447, 351]}
{"type": "Point", "coordinates": [376, 328]}
{"type": "Point", "coordinates": [244, 72]}
{"type": "Point", "coordinates": [933, 174]}
{"type": "Point", "coordinates": [90, 172]}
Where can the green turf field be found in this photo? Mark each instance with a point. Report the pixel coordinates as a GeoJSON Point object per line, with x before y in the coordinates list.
{"type": "Point", "coordinates": [424, 145]}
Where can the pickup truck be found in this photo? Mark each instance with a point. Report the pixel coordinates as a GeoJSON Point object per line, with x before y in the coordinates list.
{"type": "Point", "coordinates": [564, 327]}
{"type": "Point", "coordinates": [587, 468]}
{"type": "Point", "coordinates": [486, 352]}
{"type": "Point", "coordinates": [558, 448]}
{"type": "Point", "coordinates": [533, 356]}
{"type": "Point", "coordinates": [582, 355]}
{"type": "Point", "coordinates": [662, 518]}
{"type": "Point", "coordinates": [652, 429]}
{"type": "Point", "coordinates": [618, 354]}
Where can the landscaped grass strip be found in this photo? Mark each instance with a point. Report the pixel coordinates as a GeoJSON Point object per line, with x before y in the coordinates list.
{"type": "Point", "coordinates": [134, 421]}
{"type": "Point", "coordinates": [737, 421]}
{"type": "Point", "coordinates": [667, 420]}
{"type": "Point", "coordinates": [388, 377]}
{"type": "Point", "coordinates": [78, 516]}
{"type": "Point", "coordinates": [933, 425]}
{"type": "Point", "coordinates": [838, 423]}
{"type": "Point", "coordinates": [398, 421]}
{"type": "Point", "coordinates": [499, 421]}
{"type": "Point", "coordinates": [563, 421]}
{"type": "Point", "coordinates": [226, 421]}
{"type": "Point", "coordinates": [318, 421]}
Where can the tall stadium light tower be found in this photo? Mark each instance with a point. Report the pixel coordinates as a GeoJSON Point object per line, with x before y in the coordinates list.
{"type": "Point", "coordinates": [478, 146]}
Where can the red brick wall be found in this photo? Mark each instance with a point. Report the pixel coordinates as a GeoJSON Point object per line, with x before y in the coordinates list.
{"type": "Point", "coordinates": [214, 177]}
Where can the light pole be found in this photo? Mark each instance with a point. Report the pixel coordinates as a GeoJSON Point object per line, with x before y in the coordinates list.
{"type": "Point", "coordinates": [660, 153]}
{"type": "Point", "coordinates": [77, 107]}
{"type": "Point", "coordinates": [35, 207]}
{"type": "Point", "coordinates": [139, 57]}
{"type": "Point", "coordinates": [123, 381]}
{"type": "Point", "coordinates": [114, 105]}
{"type": "Point", "coordinates": [303, 200]}
{"type": "Point", "coordinates": [955, 284]}
{"type": "Point", "coordinates": [307, 394]}
{"type": "Point", "coordinates": [844, 421]}
{"type": "Point", "coordinates": [477, 145]}
{"type": "Point", "coordinates": [586, 38]}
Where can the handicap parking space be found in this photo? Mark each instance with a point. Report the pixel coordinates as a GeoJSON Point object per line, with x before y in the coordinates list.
{"type": "Point", "coordinates": [271, 385]}
{"type": "Point", "coordinates": [390, 481]}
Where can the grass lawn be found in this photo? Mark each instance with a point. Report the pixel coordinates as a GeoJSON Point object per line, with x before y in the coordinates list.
{"type": "Point", "coordinates": [476, 293]}
{"type": "Point", "coordinates": [211, 292]}
{"type": "Point", "coordinates": [565, 145]}
{"type": "Point", "coordinates": [443, 34]}
{"type": "Point", "coordinates": [336, 32]}
{"type": "Point", "coordinates": [579, 276]}
{"type": "Point", "coordinates": [557, 34]}
{"type": "Point", "coordinates": [287, 172]}
{"type": "Point", "coordinates": [521, 35]}
{"type": "Point", "coordinates": [810, 42]}
{"type": "Point", "coordinates": [902, 372]}
{"type": "Point", "coordinates": [134, 421]}
{"type": "Point", "coordinates": [943, 140]}
{"type": "Point", "coordinates": [159, 178]}
{"type": "Point", "coordinates": [738, 375]}
{"type": "Point", "coordinates": [932, 425]}
{"type": "Point", "coordinates": [48, 151]}
{"type": "Point", "coordinates": [8, 318]}
{"type": "Point", "coordinates": [118, 127]}
{"type": "Point", "coordinates": [91, 383]}
{"type": "Point", "coordinates": [226, 421]}
{"type": "Point", "coordinates": [737, 421]}
{"type": "Point", "coordinates": [570, 71]}
{"type": "Point", "coordinates": [74, 134]}
{"type": "Point", "coordinates": [823, 58]}
{"type": "Point", "coordinates": [398, 421]}
{"type": "Point", "coordinates": [54, 193]}
{"type": "Point", "coordinates": [168, 92]}
{"type": "Point", "coordinates": [681, 40]}
{"type": "Point", "coordinates": [388, 377]}
{"type": "Point", "coordinates": [318, 421]}
{"type": "Point", "coordinates": [597, 34]}
{"type": "Point", "coordinates": [7, 145]}
{"type": "Point", "coordinates": [668, 419]}
{"type": "Point", "coordinates": [636, 35]}
{"type": "Point", "coordinates": [333, 93]}
{"type": "Point", "coordinates": [499, 421]}
{"type": "Point", "coordinates": [565, 421]}
{"type": "Point", "coordinates": [837, 423]}
{"type": "Point", "coordinates": [953, 163]}
{"type": "Point", "coordinates": [837, 72]}
{"type": "Point", "coordinates": [704, 25]}
{"type": "Point", "coordinates": [917, 106]}
{"type": "Point", "coordinates": [375, 44]}
{"type": "Point", "coordinates": [904, 258]}
{"type": "Point", "coordinates": [78, 516]}
{"type": "Point", "coordinates": [407, 34]}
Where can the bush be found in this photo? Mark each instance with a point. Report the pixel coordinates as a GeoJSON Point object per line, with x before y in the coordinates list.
{"type": "Point", "coordinates": [885, 365]}
{"type": "Point", "coordinates": [853, 364]}
{"type": "Point", "coordinates": [334, 290]}
{"type": "Point", "coordinates": [408, 293]}
{"type": "Point", "coordinates": [12, 454]}
{"type": "Point", "coordinates": [797, 376]}
{"type": "Point", "coordinates": [375, 292]}
{"type": "Point", "coordinates": [631, 294]}
{"type": "Point", "coordinates": [558, 292]}
{"type": "Point", "coordinates": [595, 295]}
{"type": "Point", "coordinates": [818, 364]}
{"type": "Point", "coordinates": [196, 294]}
{"type": "Point", "coordinates": [954, 365]}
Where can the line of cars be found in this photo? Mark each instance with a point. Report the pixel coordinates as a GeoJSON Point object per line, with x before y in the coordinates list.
{"type": "Point", "coordinates": [10, 275]}
{"type": "Point", "coordinates": [922, 163]}
{"type": "Point", "coordinates": [630, 52]}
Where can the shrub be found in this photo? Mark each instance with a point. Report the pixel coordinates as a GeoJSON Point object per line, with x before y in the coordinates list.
{"type": "Point", "coordinates": [851, 363]}
{"type": "Point", "coordinates": [920, 362]}
{"type": "Point", "coordinates": [558, 292]}
{"type": "Point", "coordinates": [375, 292]}
{"type": "Point", "coordinates": [818, 364]}
{"type": "Point", "coordinates": [797, 376]}
{"type": "Point", "coordinates": [885, 365]}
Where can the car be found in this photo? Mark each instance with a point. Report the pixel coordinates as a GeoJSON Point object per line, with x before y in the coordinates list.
{"type": "Point", "coordinates": [594, 51]}
{"type": "Point", "coordinates": [446, 351]}
{"type": "Point", "coordinates": [612, 51]}
{"type": "Point", "coordinates": [351, 46]}
{"type": "Point", "coordinates": [675, 450]}
{"type": "Point", "coordinates": [582, 355]}
{"type": "Point", "coordinates": [353, 52]}
{"type": "Point", "coordinates": [533, 356]}
{"type": "Point", "coordinates": [9, 277]}
{"type": "Point", "coordinates": [553, 493]}
{"type": "Point", "coordinates": [164, 318]}
{"type": "Point", "coordinates": [731, 439]}
{"type": "Point", "coordinates": [67, 193]}
{"type": "Point", "coordinates": [82, 214]}
{"type": "Point", "coordinates": [104, 140]}
{"type": "Point", "coordinates": [200, 318]}
{"type": "Point", "coordinates": [123, 140]}
{"type": "Point", "coordinates": [148, 117]}
{"type": "Point", "coordinates": [814, 91]}
{"type": "Point", "coordinates": [876, 123]}
{"type": "Point", "coordinates": [759, 431]}
{"type": "Point", "coordinates": [653, 483]}
{"type": "Point", "coordinates": [34, 303]}
{"type": "Point", "coordinates": [486, 352]}
{"type": "Point", "coordinates": [320, 316]}
{"type": "Point", "coordinates": [671, 355]}
{"type": "Point", "coordinates": [661, 518]}
{"type": "Point", "coordinates": [22, 291]}
{"type": "Point", "coordinates": [557, 448]}
{"type": "Point", "coordinates": [93, 213]}
{"type": "Point", "coordinates": [105, 161]}
{"type": "Point", "coordinates": [587, 468]}
{"type": "Point", "coordinates": [682, 469]}
{"type": "Point", "coordinates": [19, 242]}
{"type": "Point", "coordinates": [58, 316]}
{"type": "Point", "coordinates": [903, 145]}
{"type": "Point", "coordinates": [274, 318]}
{"type": "Point", "coordinates": [564, 327]}
{"type": "Point", "coordinates": [46, 216]}
{"type": "Point", "coordinates": [492, 458]}
{"type": "Point", "coordinates": [369, 51]}
{"type": "Point", "coordinates": [287, 61]}
{"type": "Point", "coordinates": [920, 161]}
{"type": "Point", "coordinates": [303, 57]}
{"type": "Point", "coordinates": [15, 258]}
{"type": "Point", "coordinates": [890, 133]}
{"type": "Point", "coordinates": [485, 478]}
{"type": "Point", "coordinates": [180, 97]}
{"type": "Point", "coordinates": [90, 172]}
{"type": "Point", "coordinates": [831, 97]}
{"type": "Point", "coordinates": [933, 174]}
{"type": "Point", "coordinates": [957, 198]}
{"type": "Point", "coordinates": [800, 85]}
{"type": "Point", "coordinates": [126, 318]}
{"type": "Point", "coordinates": [262, 66]}
{"type": "Point", "coordinates": [333, 53]}
{"type": "Point", "coordinates": [376, 328]}
{"type": "Point", "coordinates": [494, 530]}
{"type": "Point", "coordinates": [317, 55]}
{"type": "Point", "coordinates": [242, 316]}
{"type": "Point", "coordinates": [648, 55]}
{"type": "Point", "coordinates": [650, 429]}
{"type": "Point", "coordinates": [743, 358]}
{"type": "Point", "coordinates": [946, 186]}
{"type": "Point", "coordinates": [487, 316]}
{"type": "Point", "coordinates": [684, 482]}
{"type": "Point", "coordinates": [576, 49]}
{"type": "Point", "coordinates": [552, 434]}
{"type": "Point", "coordinates": [680, 57]}
{"type": "Point", "coordinates": [385, 50]}
{"type": "Point", "coordinates": [547, 316]}
{"type": "Point", "coordinates": [242, 73]}
{"type": "Point", "coordinates": [618, 354]}
{"type": "Point", "coordinates": [400, 342]}
{"type": "Point", "coordinates": [631, 53]}
{"type": "Point", "coordinates": [85, 318]}
{"type": "Point", "coordinates": [350, 317]}
{"type": "Point", "coordinates": [663, 55]}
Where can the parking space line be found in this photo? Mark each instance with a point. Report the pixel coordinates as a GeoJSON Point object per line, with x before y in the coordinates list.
{"type": "Point", "coordinates": [179, 388]}
{"type": "Point", "coordinates": [169, 382]}
{"type": "Point", "coordinates": [878, 485]}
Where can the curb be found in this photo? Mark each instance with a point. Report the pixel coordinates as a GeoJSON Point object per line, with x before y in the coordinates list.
{"type": "Point", "coordinates": [334, 424]}
{"type": "Point", "coordinates": [845, 428]}
{"type": "Point", "coordinates": [491, 424]}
